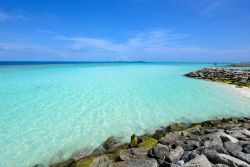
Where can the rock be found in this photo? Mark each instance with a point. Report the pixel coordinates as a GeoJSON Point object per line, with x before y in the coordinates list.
{"type": "Point", "coordinates": [66, 163]}
{"type": "Point", "coordinates": [167, 164]}
{"type": "Point", "coordinates": [148, 143]}
{"type": "Point", "coordinates": [172, 138]}
{"type": "Point", "coordinates": [246, 148]}
{"type": "Point", "coordinates": [199, 161]}
{"type": "Point", "coordinates": [102, 161]}
{"type": "Point", "coordinates": [137, 163]}
{"type": "Point", "coordinates": [180, 163]}
{"type": "Point", "coordinates": [84, 162]}
{"type": "Point", "coordinates": [175, 153]}
{"type": "Point", "coordinates": [133, 153]}
{"type": "Point", "coordinates": [231, 161]}
{"type": "Point", "coordinates": [159, 134]}
{"type": "Point", "coordinates": [232, 148]}
{"type": "Point", "coordinates": [243, 156]}
{"type": "Point", "coordinates": [78, 154]}
{"type": "Point", "coordinates": [134, 141]}
{"type": "Point", "coordinates": [220, 165]}
{"type": "Point", "coordinates": [160, 151]}
{"type": "Point", "coordinates": [175, 127]}
{"type": "Point", "coordinates": [213, 142]}
{"type": "Point", "coordinates": [190, 145]}
{"type": "Point", "coordinates": [225, 137]}
{"type": "Point", "coordinates": [110, 142]}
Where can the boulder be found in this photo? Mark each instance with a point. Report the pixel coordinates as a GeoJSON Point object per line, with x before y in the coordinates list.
{"type": "Point", "coordinates": [172, 138]}
{"type": "Point", "coordinates": [199, 161]}
{"type": "Point", "coordinates": [225, 137]}
{"type": "Point", "coordinates": [243, 156]}
{"type": "Point", "coordinates": [134, 141]}
{"type": "Point", "coordinates": [137, 163]}
{"type": "Point", "coordinates": [175, 127]}
{"type": "Point", "coordinates": [133, 153]}
{"type": "Point", "coordinates": [246, 148]}
{"type": "Point", "coordinates": [175, 153]}
{"type": "Point", "coordinates": [160, 151]}
{"type": "Point", "coordinates": [102, 161]}
{"type": "Point", "coordinates": [231, 161]}
{"type": "Point", "coordinates": [232, 148]}
{"type": "Point", "coordinates": [148, 143]}
{"type": "Point", "coordinates": [110, 142]}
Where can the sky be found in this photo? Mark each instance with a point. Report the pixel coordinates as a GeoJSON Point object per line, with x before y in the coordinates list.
{"type": "Point", "coordinates": [125, 30]}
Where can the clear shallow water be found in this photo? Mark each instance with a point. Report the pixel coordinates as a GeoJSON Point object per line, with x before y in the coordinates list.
{"type": "Point", "coordinates": [46, 109]}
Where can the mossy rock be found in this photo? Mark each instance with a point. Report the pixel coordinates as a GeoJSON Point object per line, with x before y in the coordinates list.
{"type": "Point", "coordinates": [148, 144]}
{"type": "Point", "coordinates": [85, 162]}
{"type": "Point", "coordinates": [112, 157]}
{"type": "Point", "coordinates": [159, 134]}
{"type": "Point", "coordinates": [175, 127]}
{"type": "Point", "coordinates": [134, 141]}
{"type": "Point", "coordinates": [194, 130]}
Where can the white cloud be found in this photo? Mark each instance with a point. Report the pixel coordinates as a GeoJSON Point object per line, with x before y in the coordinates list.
{"type": "Point", "coordinates": [5, 16]}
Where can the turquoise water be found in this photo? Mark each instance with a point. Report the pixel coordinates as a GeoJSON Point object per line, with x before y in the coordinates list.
{"type": "Point", "coordinates": [50, 109]}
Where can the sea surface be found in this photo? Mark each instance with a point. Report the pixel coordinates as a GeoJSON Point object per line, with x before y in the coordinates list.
{"type": "Point", "coordinates": [51, 109]}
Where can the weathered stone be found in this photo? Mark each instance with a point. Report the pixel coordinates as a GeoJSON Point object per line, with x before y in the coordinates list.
{"type": "Point", "coordinates": [213, 142]}
{"type": "Point", "coordinates": [225, 137]}
{"type": "Point", "coordinates": [172, 138]}
{"type": "Point", "coordinates": [148, 143]}
{"type": "Point", "coordinates": [231, 161]}
{"type": "Point", "coordinates": [84, 162]}
{"type": "Point", "coordinates": [246, 148]}
{"type": "Point", "coordinates": [102, 161]}
{"type": "Point", "coordinates": [137, 163]}
{"type": "Point", "coordinates": [159, 134]}
{"type": "Point", "coordinates": [134, 141]}
{"type": "Point", "coordinates": [110, 142]}
{"type": "Point", "coordinates": [199, 161]}
{"type": "Point", "coordinates": [175, 127]}
{"type": "Point", "coordinates": [243, 156]}
{"type": "Point", "coordinates": [160, 151]}
{"type": "Point", "coordinates": [190, 145]}
{"type": "Point", "coordinates": [220, 165]}
{"type": "Point", "coordinates": [137, 153]}
{"type": "Point", "coordinates": [174, 154]}
{"type": "Point", "coordinates": [232, 148]}
{"type": "Point", "coordinates": [66, 163]}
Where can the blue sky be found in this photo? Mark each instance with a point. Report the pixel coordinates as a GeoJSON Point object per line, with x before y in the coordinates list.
{"type": "Point", "coordinates": [125, 30]}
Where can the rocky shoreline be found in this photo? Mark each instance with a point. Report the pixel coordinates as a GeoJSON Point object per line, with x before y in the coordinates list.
{"type": "Point", "coordinates": [236, 77]}
{"type": "Point", "coordinates": [213, 143]}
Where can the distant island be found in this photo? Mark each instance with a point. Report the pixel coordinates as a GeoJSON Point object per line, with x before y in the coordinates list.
{"type": "Point", "coordinates": [239, 65]}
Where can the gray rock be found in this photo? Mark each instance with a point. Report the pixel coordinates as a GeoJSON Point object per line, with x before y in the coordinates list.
{"type": "Point", "coordinates": [231, 161]}
{"type": "Point", "coordinates": [225, 137]}
{"type": "Point", "coordinates": [243, 156]}
{"type": "Point", "coordinates": [232, 148]}
{"type": "Point", "coordinates": [180, 163]}
{"type": "Point", "coordinates": [160, 151]}
{"type": "Point", "coordinates": [220, 165]}
{"type": "Point", "coordinates": [199, 161]}
{"type": "Point", "coordinates": [246, 149]}
{"type": "Point", "coordinates": [101, 161]}
{"type": "Point", "coordinates": [171, 138]}
{"type": "Point", "coordinates": [175, 153]}
{"type": "Point", "coordinates": [213, 142]}
{"type": "Point", "coordinates": [110, 142]}
{"type": "Point", "coordinates": [190, 145]}
{"type": "Point", "coordinates": [137, 163]}
{"type": "Point", "coordinates": [78, 154]}
{"type": "Point", "coordinates": [167, 164]}
{"type": "Point", "coordinates": [132, 153]}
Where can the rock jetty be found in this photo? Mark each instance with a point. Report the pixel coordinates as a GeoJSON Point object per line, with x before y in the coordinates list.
{"type": "Point", "coordinates": [213, 143]}
{"type": "Point", "coordinates": [239, 65]}
{"type": "Point", "coordinates": [231, 76]}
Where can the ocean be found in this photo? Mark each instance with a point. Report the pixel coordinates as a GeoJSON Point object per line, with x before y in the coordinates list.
{"type": "Point", "coordinates": [49, 109]}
